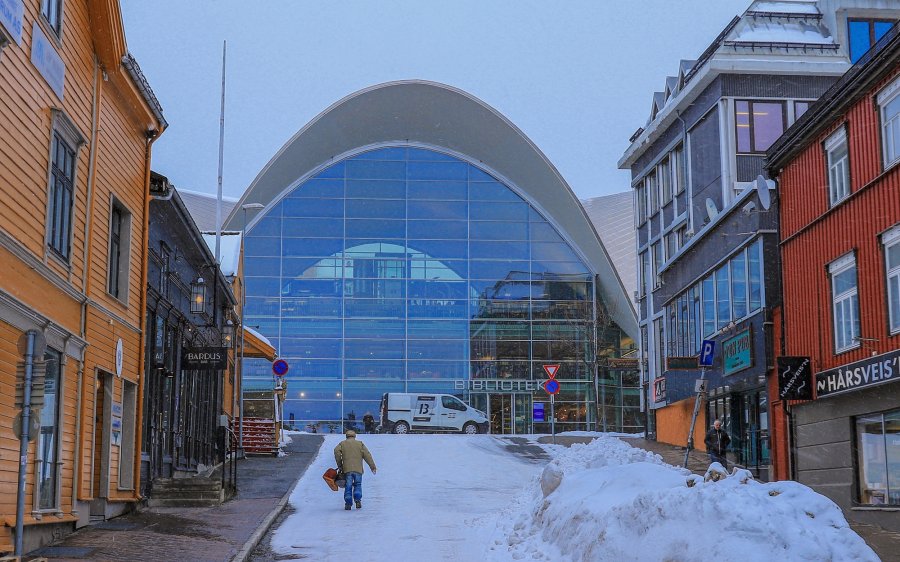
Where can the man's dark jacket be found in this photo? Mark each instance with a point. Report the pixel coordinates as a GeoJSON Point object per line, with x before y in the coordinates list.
{"type": "Point", "coordinates": [717, 441]}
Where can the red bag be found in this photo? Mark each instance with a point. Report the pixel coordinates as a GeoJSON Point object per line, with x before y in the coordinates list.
{"type": "Point", "coordinates": [330, 476]}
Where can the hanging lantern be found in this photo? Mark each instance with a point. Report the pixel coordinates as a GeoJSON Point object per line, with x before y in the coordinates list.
{"type": "Point", "coordinates": [228, 333]}
{"type": "Point", "coordinates": [198, 296]}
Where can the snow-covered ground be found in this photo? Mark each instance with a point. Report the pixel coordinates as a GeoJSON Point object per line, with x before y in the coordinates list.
{"type": "Point", "coordinates": [451, 497]}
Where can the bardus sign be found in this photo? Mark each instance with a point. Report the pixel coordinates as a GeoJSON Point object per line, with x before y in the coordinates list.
{"type": "Point", "coordinates": [868, 372]}
{"type": "Point", "coordinates": [203, 358]}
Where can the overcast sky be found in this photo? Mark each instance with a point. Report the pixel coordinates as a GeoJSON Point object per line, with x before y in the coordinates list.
{"type": "Point", "coordinates": [577, 76]}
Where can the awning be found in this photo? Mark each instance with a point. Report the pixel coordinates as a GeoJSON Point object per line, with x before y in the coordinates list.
{"type": "Point", "coordinates": [257, 346]}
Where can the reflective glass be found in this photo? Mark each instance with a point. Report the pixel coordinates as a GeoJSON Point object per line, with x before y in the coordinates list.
{"type": "Point", "coordinates": [321, 368]}
{"type": "Point", "coordinates": [374, 328]}
{"type": "Point", "coordinates": [444, 229]}
{"type": "Point", "coordinates": [441, 249]}
{"type": "Point", "coordinates": [492, 191]}
{"type": "Point", "coordinates": [374, 349]}
{"type": "Point", "coordinates": [480, 210]}
{"type": "Point", "coordinates": [300, 388]}
{"type": "Point", "coordinates": [371, 228]}
{"type": "Point", "coordinates": [321, 348]}
{"type": "Point", "coordinates": [318, 306]}
{"type": "Point", "coordinates": [445, 210]}
{"type": "Point", "coordinates": [376, 189]}
{"type": "Point", "coordinates": [312, 409]}
{"type": "Point", "coordinates": [507, 250]}
{"type": "Point", "coordinates": [307, 227]}
{"type": "Point", "coordinates": [263, 266]}
{"type": "Point", "coordinates": [368, 390]}
{"type": "Point", "coordinates": [496, 230]}
{"type": "Point", "coordinates": [386, 209]}
{"type": "Point", "coordinates": [437, 369]}
{"type": "Point", "coordinates": [268, 226]}
{"type": "Point", "coordinates": [375, 170]}
{"type": "Point", "coordinates": [262, 246]}
{"type": "Point", "coordinates": [321, 188]}
{"type": "Point", "coordinates": [443, 190]}
{"type": "Point", "coordinates": [312, 247]}
{"type": "Point", "coordinates": [437, 349]}
{"type": "Point", "coordinates": [437, 170]}
{"type": "Point", "coordinates": [333, 208]}
{"type": "Point", "coordinates": [262, 306]}
{"type": "Point", "coordinates": [373, 369]}
{"type": "Point", "coordinates": [309, 287]}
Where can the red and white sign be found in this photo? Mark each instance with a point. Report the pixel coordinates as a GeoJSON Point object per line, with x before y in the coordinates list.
{"type": "Point", "coordinates": [551, 370]}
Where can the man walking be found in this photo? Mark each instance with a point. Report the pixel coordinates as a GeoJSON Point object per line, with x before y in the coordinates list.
{"type": "Point", "coordinates": [349, 456]}
{"type": "Point", "coordinates": [717, 441]}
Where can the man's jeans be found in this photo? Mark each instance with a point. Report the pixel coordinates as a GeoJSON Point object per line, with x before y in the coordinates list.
{"type": "Point", "coordinates": [713, 457]}
{"type": "Point", "coordinates": [353, 487]}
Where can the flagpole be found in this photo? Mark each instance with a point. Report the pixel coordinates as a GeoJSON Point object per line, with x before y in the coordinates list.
{"type": "Point", "coordinates": [221, 153]}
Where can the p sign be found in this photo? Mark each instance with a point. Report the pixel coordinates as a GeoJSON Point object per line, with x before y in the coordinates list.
{"type": "Point", "coordinates": [707, 351]}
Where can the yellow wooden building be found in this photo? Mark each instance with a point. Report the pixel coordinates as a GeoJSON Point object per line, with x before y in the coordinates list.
{"type": "Point", "coordinates": [77, 124]}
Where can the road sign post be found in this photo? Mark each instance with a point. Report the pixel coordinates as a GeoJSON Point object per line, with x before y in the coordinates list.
{"type": "Point", "coordinates": [280, 367]}
{"type": "Point", "coordinates": [551, 385]}
{"type": "Point", "coordinates": [707, 353]}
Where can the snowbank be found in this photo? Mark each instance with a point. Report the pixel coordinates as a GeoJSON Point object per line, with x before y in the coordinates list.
{"type": "Point", "coordinates": [612, 501]}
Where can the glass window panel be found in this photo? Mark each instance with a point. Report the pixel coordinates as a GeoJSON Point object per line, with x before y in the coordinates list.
{"type": "Point", "coordinates": [373, 369]}
{"type": "Point", "coordinates": [374, 308]}
{"type": "Point", "coordinates": [371, 228]}
{"type": "Point", "coordinates": [418, 170]}
{"type": "Point", "coordinates": [739, 285]}
{"type": "Point", "coordinates": [860, 39]}
{"type": "Point", "coordinates": [373, 349]}
{"type": "Point", "coordinates": [438, 229]}
{"type": "Point", "coordinates": [476, 174]}
{"type": "Point", "coordinates": [560, 331]}
{"type": "Point", "coordinates": [262, 246]}
{"type": "Point", "coordinates": [742, 123]}
{"type": "Point", "coordinates": [300, 388]}
{"type": "Point", "coordinates": [506, 250]}
{"type": "Point", "coordinates": [263, 286]}
{"type": "Point", "coordinates": [375, 170]}
{"type": "Point", "coordinates": [513, 288]}
{"type": "Point", "coordinates": [313, 410]}
{"type": "Point", "coordinates": [321, 348]}
{"type": "Point", "coordinates": [267, 226]}
{"type": "Point", "coordinates": [329, 368]}
{"type": "Point", "coordinates": [723, 298]}
{"type": "Point", "coordinates": [544, 232]}
{"type": "Point", "coordinates": [312, 268]}
{"type": "Point", "coordinates": [567, 371]}
{"type": "Point", "coordinates": [484, 308]}
{"type": "Point", "coordinates": [313, 227]}
{"type": "Point", "coordinates": [438, 249]}
{"type": "Point", "coordinates": [331, 208]}
{"type": "Point", "coordinates": [845, 280]}
{"type": "Point", "coordinates": [438, 349]}
{"type": "Point", "coordinates": [450, 270]}
{"type": "Point", "coordinates": [437, 289]}
{"type": "Point", "coordinates": [385, 267]}
{"type": "Point", "coordinates": [262, 306]}
{"type": "Point", "coordinates": [755, 274]}
{"type": "Point", "coordinates": [384, 209]}
{"type": "Point", "coordinates": [376, 189]}
{"type": "Point", "coordinates": [375, 288]}
{"type": "Point", "coordinates": [893, 255]}
{"type": "Point", "coordinates": [444, 190]}
{"type": "Point", "coordinates": [500, 350]}
{"type": "Point", "coordinates": [491, 369]}
{"type": "Point", "coordinates": [374, 328]}
{"type": "Point", "coordinates": [437, 369]}
{"type": "Point", "coordinates": [494, 230]}
{"type": "Point", "coordinates": [482, 210]}
{"type": "Point", "coordinates": [437, 308]}
{"type": "Point", "coordinates": [560, 310]}
{"type": "Point", "coordinates": [429, 155]}
{"type": "Point", "coordinates": [448, 210]}
{"type": "Point", "coordinates": [373, 248]}
{"type": "Point", "coordinates": [370, 390]}
{"type": "Point", "coordinates": [438, 329]}
{"type": "Point", "coordinates": [542, 268]}
{"type": "Point", "coordinates": [263, 266]}
{"type": "Point", "coordinates": [881, 28]}
{"type": "Point", "coordinates": [318, 307]}
{"type": "Point", "coordinates": [496, 270]}
{"type": "Point", "coordinates": [892, 454]}
{"type": "Point", "coordinates": [263, 324]}
{"type": "Point", "coordinates": [333, 171]}
{"type": "Point", "coordinates": [310, 328]}
{"type": "Point", "coordinates": [768, 124]}
{"type": "Point", "coordinates": [389, 153]}
{"type": "Point", "coordinates": [492, 191]}
{"type": "Point", "coordinates": [326, 188]}
{"type": "Point", "coordinates": [562, 290]}
{"type": "Point", "coordinates": [552, 251]}
{"type": "Point", "coordinates": [489, 331]}
{"type": "Point", "coordinates": [709, 306]}
{"type": "Point", "coordinates": [312, 247]}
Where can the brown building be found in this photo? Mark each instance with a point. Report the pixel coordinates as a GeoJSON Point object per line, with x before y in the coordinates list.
{"type": "Point", "coordinates": [838, 170]}
{"type": "Point", "coordinates": [77, 122]}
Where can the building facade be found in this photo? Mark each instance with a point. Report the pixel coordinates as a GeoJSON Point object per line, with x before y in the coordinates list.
{"type": "Point", "coordinates": [839, 184]}
{"type": "Point", "coordinates": [77, 122]}
{"type": "Point", "coordinates": [429, 247]}
{"type": "Point", "coordinates": [707, 242]}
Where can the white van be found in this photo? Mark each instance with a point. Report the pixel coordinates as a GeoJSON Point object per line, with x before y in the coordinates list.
{"type": "Point", "coordinates": [407, 412]}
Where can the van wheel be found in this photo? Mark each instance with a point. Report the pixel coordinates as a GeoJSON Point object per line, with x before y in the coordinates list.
{"type": "Point", "coordinates": [401, 428]}
{"type": "Point", "coordinates": [470, 429]}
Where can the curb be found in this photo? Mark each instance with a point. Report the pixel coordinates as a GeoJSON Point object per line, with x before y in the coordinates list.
{"type": "Point", "coordinates": [244, 553]}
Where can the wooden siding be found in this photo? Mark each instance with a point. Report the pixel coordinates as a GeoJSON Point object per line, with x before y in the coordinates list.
{"type": "Point", "coordinates": [815, 234]}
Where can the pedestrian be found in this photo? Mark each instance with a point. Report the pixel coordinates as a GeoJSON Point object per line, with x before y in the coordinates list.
{"type": "Point", "coordinates": [349, 456]}
{"type": "Point", "coordinates": [717, 441]}
{"type": "Point", "coordinates": [369, 423]}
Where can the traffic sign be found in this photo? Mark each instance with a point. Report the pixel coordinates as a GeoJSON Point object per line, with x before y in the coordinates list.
{"type": "Point", "coordinates": [280, 367]}
{"type": "Point", "coordinates": [551, 370]}
{"type": "Point", "coordinates": [538, 411]}
{"type": "Point", "coordinates": [551, 386]}
{"type": "Point", "coordinates": [707, 350]}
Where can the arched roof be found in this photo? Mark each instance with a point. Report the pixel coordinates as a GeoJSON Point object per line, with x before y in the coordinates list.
{"type": "Point", "coordinates": [445, 118]}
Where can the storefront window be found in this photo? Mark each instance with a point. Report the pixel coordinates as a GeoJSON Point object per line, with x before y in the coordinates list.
{"type": "Point", "coordinates": [48, 446]}
{"type": "Point", "coordinates": [878, 462]}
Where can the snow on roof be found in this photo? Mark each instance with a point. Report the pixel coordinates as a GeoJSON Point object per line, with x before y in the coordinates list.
{"type": "Point", "coordinates": [782, 32]}
{"type": "Point", "coordinates": [229, 250]}
{"type": "Point", "coordinates": [786, 7]}
{"type": "Point", "coordinates": [261, 337]}
{"type": "Point", "coordinates": [202, 207]}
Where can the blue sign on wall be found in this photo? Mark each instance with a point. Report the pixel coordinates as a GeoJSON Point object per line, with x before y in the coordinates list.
{"type": "Point", "coordinates": [11, 12]}
{"type": "Point", "coordinates": [538, 411]}
{"type": "Point", "coordinates": [707, 352]}
{"type": "Point", "coordinates": [737, 353]}
{"type": "Point", "coordinates": [48, 62]}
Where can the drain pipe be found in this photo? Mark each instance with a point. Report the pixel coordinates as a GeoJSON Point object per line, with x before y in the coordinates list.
{"type": "Point", "coordinates": [23, 441]}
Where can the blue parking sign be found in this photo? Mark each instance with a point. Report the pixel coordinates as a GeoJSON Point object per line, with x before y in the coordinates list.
{"type": "Point", "coordinates": [707, 351]}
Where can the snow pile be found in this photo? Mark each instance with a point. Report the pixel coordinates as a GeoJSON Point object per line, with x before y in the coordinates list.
{"type": "Point", "coordinates": [615, 502]}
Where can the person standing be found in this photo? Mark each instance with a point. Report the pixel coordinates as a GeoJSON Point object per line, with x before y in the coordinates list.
{"type": "Point", "coordinates": [717, 441]}
{"type": "Point", "coordinates": [369, 423]}
{"type": "Point", "coordinates": [349, 456]}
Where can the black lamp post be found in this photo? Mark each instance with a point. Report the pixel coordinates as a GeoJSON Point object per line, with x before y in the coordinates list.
{"type": "Point", "coordinates": [198, 296]}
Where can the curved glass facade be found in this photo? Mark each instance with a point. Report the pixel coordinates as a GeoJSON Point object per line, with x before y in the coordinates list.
{"type": "Point", "coordinates": [403, 269]}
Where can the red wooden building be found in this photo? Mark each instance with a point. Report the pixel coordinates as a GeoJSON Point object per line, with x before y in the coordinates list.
{"type": "Point", "coordinates": [838, 170]}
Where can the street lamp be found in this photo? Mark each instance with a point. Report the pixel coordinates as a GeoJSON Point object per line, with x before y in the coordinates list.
{"type": "Point", "coordinates": [228, 333]}
{"type": "Point", "coordinates": [245, 207]}
{"type": "Point", "coordinates": [198, 296]}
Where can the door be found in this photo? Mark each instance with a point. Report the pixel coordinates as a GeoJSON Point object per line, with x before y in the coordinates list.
{"type": "Point", "coordinates": [501, 413]}
{"type": "Point", "coordinates": [522, 413]}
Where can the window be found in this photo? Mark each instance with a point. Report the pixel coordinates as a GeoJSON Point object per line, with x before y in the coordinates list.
{"type": "Point", "coordinates": [758, 124]}
{"type": "Point", "coordinates": [678, 167]}
{"type": "Point", "coordinates": [709, 306]}
{"type": "Point", "coordinates": [164, 256]}
{"type": "Point", "coordinates": [845, 300]}
{"type": "Point", "coordinates": [878, 458]}
{"type": "Point", "coordinates": [671, 244]}
{"type": "Point", "coordinates": [723, 298]}
{"type": "Point", "coordinates": [891, 241]}
{"type": "Point", "coordinates": [754, 261]}
{"type": "Point", "coordinates": [838, 160]}
{"type": "Point", "coordinates": [659, 358]}
{"type": "Point", "coordinates": [48, 443]}
{"type": "Point", "coordinates": [652, 187]}
{"type": "Point", "coordinates": [801, 107]}
{"type": "Point", "coordinates": [119, 239]}
{"type": "Point", "coordinates": [658, 260]}
{"type": "Point", "coordinates": [739, 286]}
{"type": "Point", "coordinates": [640, 194]}
{"type": "Point", "coordinates": [52, 12]}
{"type": "Point", "coordinates": [862, 35]}
{"type": "Point", "coordinates": [889, 102]}
{"type": "Point", "coordinates": [59, 208]}
{"type": "Point", "coordinates": [645, 270]}
{"type": "Point", "coordinates": [665, 180]}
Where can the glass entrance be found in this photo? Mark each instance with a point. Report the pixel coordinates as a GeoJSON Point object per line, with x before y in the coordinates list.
{"type": "Point", "coordinates": [501, 413]}
{"type": "Point", "coordinates": [509, 414]}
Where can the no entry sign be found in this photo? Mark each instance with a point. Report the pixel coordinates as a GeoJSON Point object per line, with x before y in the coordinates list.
{"type": "Point", "coordinates": [280, 367]}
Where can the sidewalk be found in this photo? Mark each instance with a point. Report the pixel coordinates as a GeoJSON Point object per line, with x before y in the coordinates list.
{"type": "Point", "coordinates": [886, 544]}
{"type": "Point", "coordinates": [200, 534]}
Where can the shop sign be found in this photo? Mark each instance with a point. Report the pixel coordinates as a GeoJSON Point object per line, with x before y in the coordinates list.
{"type": "Point", "coordinates": [495, 385]}
{"type": "Point", "coordinates": [116, 427]}
{"type": "Point", "coordinates": [868, 372]}
{"type": "Point", "coordinates": [11, 12]}
{"type": "Point", "coordinates": [794, 382]}
{"type": "Point", "coordinates": [681, 363]}
{"type": "Point", "coordinates": [204, 358]}
{"type": "Point", "coordinates": [659, 389]}
{"type": "Point", "coordinates": [48, 62]}
{"type": "Point", "coordinates": [622, 363]}
{"type": "Point", "coordinates": [737, 352]}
